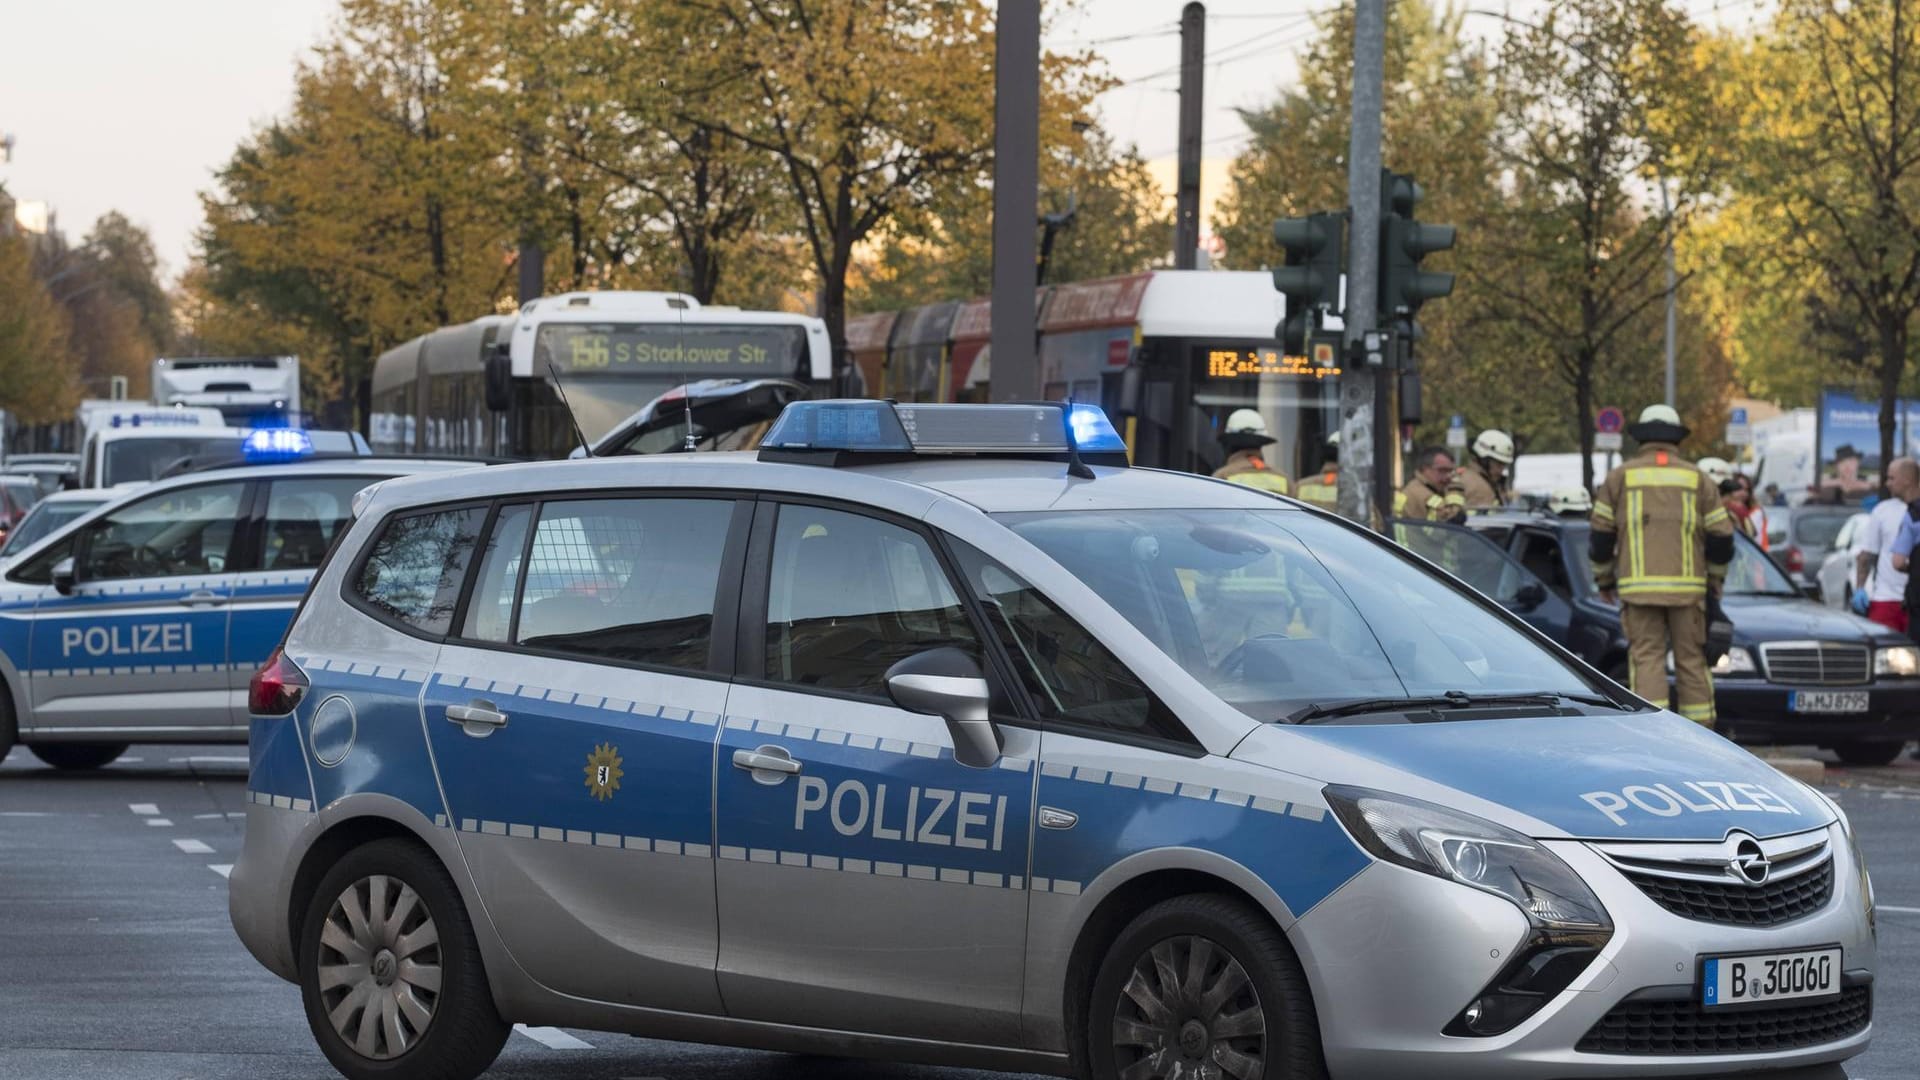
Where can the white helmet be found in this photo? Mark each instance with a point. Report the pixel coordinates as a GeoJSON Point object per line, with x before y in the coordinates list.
{"type": "Point", "coordinates": [1333, 439]}
{"type": "Point", "coordinates": [1246, 422]}
{"type": "Point", "coordinates": [1494, 444]}
{"type": "Point", "coordinates": [1719, 470]}
{"type": "Point", "coordinates": [1659, 414]}
{"type": "Point", "coordinates": [1570, 500]}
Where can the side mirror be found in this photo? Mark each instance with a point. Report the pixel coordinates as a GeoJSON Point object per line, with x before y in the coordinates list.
{"type": "Point", "coordinates": [1530, 596]}
{"type": "Point", "coordinates": [499, 379]}
{"type": "Point", "coordinates": [947, 683]}
{"type": "Point", "coordinates": [63, 578]}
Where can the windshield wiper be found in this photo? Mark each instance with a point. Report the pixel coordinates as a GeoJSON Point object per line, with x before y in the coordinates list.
{"type": "Point", "coordinates": [1452, 699]}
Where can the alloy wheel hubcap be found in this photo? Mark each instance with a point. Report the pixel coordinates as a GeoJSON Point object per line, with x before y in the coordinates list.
{"type": "Point", "coordinates": [379, 967]}
{"type": "Point", "coordinates": [1188, 1011]}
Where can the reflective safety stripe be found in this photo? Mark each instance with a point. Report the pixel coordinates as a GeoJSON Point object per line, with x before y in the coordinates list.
{"type": "Point", "coordinates": [1602, 511]}
{"type": "Point", "coordinates": [1636, 540]}
{"type": "Point", "coordinates": [1455, 498]}
{"type": "Point", "coordinates": [1699, 714]}
{"type": "Point", "coordinates": [1646, 476]}
{"type": "Point", "coordinates": [1399, 504]}
{"type": "Point", "coordinates": [1644, 584]}
{"type": "Point", "coordinates": [1715, 516]}
{"type": "Point", "coordinates": [1689, 511]}
{"type": "Point", "coordinates": [1435, 502]}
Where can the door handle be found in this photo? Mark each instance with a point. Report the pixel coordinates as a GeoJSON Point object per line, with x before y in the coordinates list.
{"type": "Point", "coordinates": [478, 719]}
{"type": "Point", "coordinates": [768, 764]}
{"type": "Point", "coordinates": [203, 598]}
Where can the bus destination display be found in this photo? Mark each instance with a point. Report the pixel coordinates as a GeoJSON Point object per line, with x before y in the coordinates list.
{"type": "Point", "coordinates": [1269, 363]}
{"type": "Point", "coordinates": [708, 350]}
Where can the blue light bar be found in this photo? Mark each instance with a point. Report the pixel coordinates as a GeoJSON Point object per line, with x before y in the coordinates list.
{"type": "Point", "coordinates": [276, 444]}
{"type": "Point", "coordinates": [1093, 433]}
{"type": "Point", "coordinates": [887, 428]}
{"type": "Point", "coordinates": [870, 426]}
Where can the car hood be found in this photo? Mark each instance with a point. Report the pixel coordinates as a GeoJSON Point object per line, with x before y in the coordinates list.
{"type": "Point", "coordinates": [1758, 619]}
{"type": "Point", "coordinates": [1637, 776]}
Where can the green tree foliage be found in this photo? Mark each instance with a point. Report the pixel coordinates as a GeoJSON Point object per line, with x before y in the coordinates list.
{"type": "Point", "coordinates": [37, 369]}
{"type": "Point", "coordinates": [1830, 193]}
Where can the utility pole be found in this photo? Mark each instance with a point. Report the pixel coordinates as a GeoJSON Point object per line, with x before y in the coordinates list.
{"type": "Point", "coordinates": [1363, 389]}
{"type": "Point", "coordinates": [1186, 202]}
{"type": "Point", "coordinates": [1666, 210]}
{"type": "Point", "coordinates": [1015, 374]}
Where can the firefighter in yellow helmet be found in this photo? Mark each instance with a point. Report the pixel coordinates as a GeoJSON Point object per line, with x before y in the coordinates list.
{"type": "Point", "coordinates": [1661, 543]}
{"type": "Point", "coordinates": [1243, 438]}
{"type": "Point", "coordinates": [1483, 483]}
{"type": "Point", "coordinates": [1322, 489]}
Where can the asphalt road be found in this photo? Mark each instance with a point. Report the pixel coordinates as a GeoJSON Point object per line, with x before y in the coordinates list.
{"type": "Point", "coordinates": [117, 960]}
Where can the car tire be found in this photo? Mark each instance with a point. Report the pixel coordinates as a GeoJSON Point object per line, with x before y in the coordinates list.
{"type": "Point", "coordinates": [1869, 752]}
{"type": "Point", "coordinates": [9, 730]}
{"type": "Point", "coordinates": [436, 1018]}
{"type": "Point", "coordinates": [1200, 980]}
{"type": "Point", "coordinates": [77, 756]}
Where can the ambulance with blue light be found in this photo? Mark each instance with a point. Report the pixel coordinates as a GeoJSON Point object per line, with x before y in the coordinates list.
{"type": "Point", "coordinates": [937, 733]}
{"type": "Point", "coordinates": [141, 620]}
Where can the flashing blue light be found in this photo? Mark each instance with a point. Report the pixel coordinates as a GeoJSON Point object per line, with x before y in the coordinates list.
{"type": "Point", "coordinates": [276, 444]}
{"type": "Point", "coordinates": [870, 426]}
{"type": "Point", "coordinates": [1093, 433]}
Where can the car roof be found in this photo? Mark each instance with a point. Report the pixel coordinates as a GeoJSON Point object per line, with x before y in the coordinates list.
{"type": "Point", "coordinates": [79, 495]}
{"type": "Point", "coordinates": [991, 484]}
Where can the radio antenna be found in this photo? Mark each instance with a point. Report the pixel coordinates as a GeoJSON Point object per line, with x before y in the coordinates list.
{"type": "Point", "coordinates": [686, 399]}
{"type": "Point", "coordinates": [585, 448]}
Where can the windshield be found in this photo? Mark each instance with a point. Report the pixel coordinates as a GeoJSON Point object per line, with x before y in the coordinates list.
{"type": "Point", "coordinates": [1818, 529]}
{"type": "Point", "coordinates": [1753, 574]}
{"type": "Point", "coordinates": [131, 460]}
{"type": "Point", "coordinates": [1274, 610]}
{"type": "Point", "coordinates": [609, 371]}
{"type": "Point", "coordinates": [43, 521]}
{"type": "Point", "coordinates": [1466, 555]}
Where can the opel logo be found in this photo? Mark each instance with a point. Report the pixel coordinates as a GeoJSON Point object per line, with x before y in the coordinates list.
{"type": "Point", "coordinates": [1749, 863]}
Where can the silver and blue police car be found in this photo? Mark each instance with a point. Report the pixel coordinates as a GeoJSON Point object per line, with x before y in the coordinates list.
{"type": "Point", "coordinates": [142, 620]}
{"type": "Point", "coordinates": [937, 733]}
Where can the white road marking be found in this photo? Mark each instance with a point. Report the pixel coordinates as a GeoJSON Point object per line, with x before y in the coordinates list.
{"type": "Point", "coordinates": [1897, 910]}
{"type": "Point", "coordinates": [223, 869]}
{"type": "Point", "coordinates": [163, 822]}
{"type": "Point", "coordinates": [209, 817]}
{"type": "Point", "coordinates": [552, 1038]}
{"type": "Point", "coordinates": [193, 847]}
{"type": "Point", "coordinates": [227, 760]}
{"type": "Point", "coordinates": [25, 813]}
{"type": "Point", "coordinates": [145, 809]}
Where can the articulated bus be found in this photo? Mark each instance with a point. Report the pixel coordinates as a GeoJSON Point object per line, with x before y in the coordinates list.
{"type": "Point", "coordinates": [488, 387]}
{"type": "Point", "coordinates": [1173, 351]}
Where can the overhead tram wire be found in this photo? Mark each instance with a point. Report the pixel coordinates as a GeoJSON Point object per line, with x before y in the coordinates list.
{"type": "Point", "coordinates": [1242, 50]}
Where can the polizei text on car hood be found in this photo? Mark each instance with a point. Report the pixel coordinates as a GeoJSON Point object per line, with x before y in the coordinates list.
{"type": "Point", "coordinates": [1642, 776]}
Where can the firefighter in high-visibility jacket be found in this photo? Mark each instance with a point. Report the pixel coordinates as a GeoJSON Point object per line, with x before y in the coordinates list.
{"type": "Point", "coordinates": [1427, 496]}
{"type": "Point", "coordinates": [1322, 489]}
{"type": "Point", "coordinates": [1661, 542]}
{"type": "Point", "coordinates": [1243, 438]}
{"type": "Point", "coordinates": [1483, 483]}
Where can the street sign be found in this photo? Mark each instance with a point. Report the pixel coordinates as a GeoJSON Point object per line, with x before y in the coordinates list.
{"type": "Point", "coordinates": [1609, 441]}
{"type": "Point", "coordinates": [1739, 431]}
{"type": "Point", "coordinates": [1457, 431]}
{"type": "Point", "coordinates": [1610, 421]}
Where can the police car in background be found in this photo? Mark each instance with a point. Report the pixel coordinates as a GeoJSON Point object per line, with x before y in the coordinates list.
{"type": "Point", "coordinates": [141, 621]}
{"type": "Point", "coordinates": [933, 732]}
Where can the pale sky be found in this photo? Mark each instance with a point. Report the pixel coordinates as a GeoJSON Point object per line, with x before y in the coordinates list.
{"type": "Point", "coordinates": [131, 104]}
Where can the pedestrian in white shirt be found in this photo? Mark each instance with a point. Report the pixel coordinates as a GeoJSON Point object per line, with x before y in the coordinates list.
{"type": "Point", "coordinates": [1874, 570]}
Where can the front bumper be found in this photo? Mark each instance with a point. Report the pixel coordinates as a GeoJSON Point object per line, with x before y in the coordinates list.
{"type": "Point", "coordinates": [1396, 954]}
{"type": "Point", "coordinates": [1754, 710]}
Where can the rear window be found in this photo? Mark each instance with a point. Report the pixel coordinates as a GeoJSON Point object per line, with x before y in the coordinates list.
{"type": "Point", "coordinates": [413, 572]}
{"type": "Point", "coordinates": [1818, 530]}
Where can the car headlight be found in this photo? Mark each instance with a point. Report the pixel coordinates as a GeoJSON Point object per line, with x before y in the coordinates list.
{"type": "Point", "coordinates": [1473, 852]}
{"type": "Point", "coordinates": [1859, 856]}
{"type": "Point", "coordinates": [1897, 660]}
{"type": "Point", "coordinates": [1737, 661]}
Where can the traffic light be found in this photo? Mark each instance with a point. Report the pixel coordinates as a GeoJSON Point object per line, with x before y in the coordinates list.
{"type": "Point", "coordinates": [1311, 277]}
{"type": "Point", "coordinates": [1403, 243]}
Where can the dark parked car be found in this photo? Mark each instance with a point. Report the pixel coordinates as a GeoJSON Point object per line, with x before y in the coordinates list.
{"type": "Point", "coordinates": [1797, 671]}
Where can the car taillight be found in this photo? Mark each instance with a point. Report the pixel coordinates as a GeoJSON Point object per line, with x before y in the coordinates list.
{"type": "Point", "coordinates": [276, 688]}
{"type": "Point", "coordinates": [1796, 562]}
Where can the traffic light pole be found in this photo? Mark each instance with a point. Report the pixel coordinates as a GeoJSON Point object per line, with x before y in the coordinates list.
{"type": "Point", "coordinates": [1015, 374]}
{"type": "Point", "coordinates": [1363, 395]}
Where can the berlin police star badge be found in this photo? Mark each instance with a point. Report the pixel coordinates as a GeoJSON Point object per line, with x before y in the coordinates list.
{"type": "Point", "coordinates": [604, 772]}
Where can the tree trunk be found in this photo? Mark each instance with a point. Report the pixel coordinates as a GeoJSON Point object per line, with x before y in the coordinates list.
{"type": "Point", "coordinates": [833, 307]}
{"type": "Point", "coordinates": [1583, 419]}
{"type": "Point", "coordinates": [1893, 364]}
